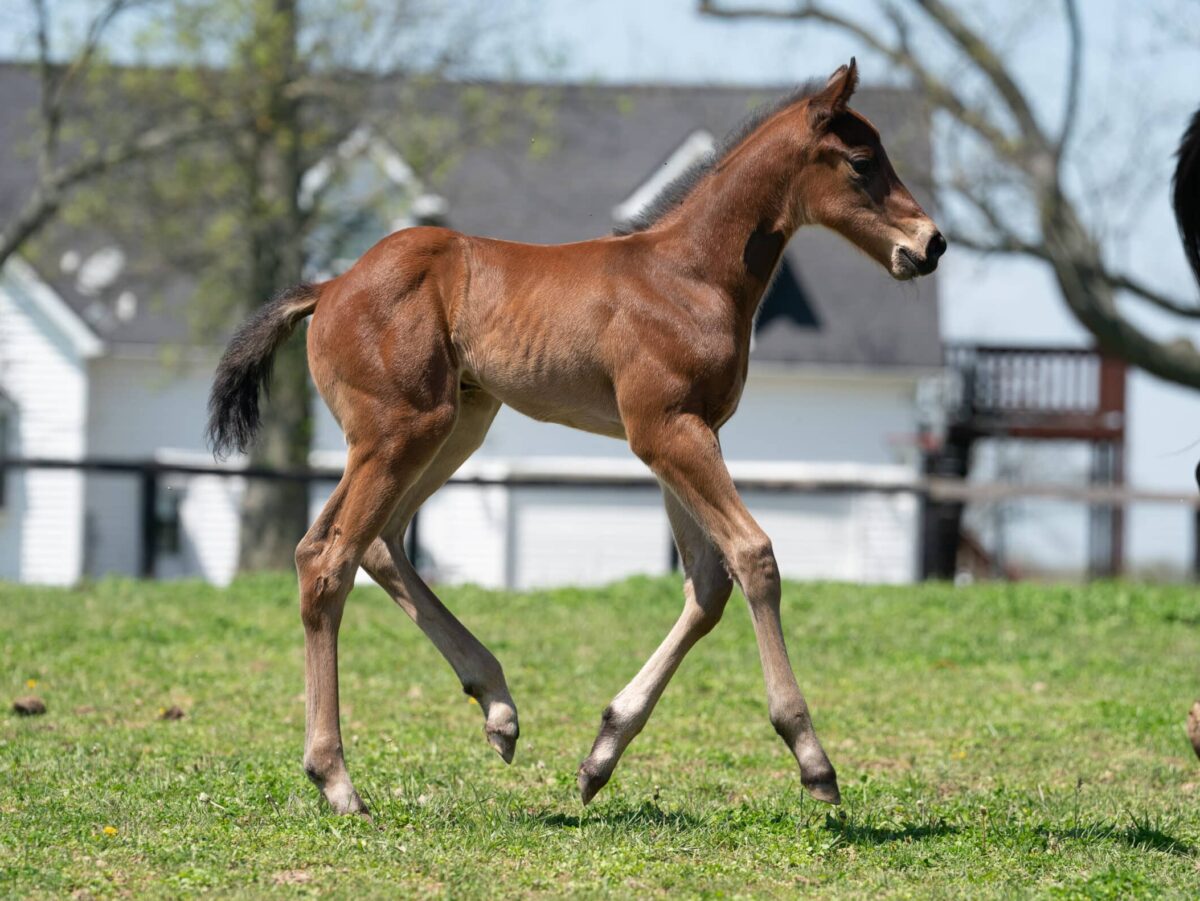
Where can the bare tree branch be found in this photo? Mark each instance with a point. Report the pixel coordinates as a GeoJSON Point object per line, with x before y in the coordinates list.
{"type": "Point", "coordinates": [1152, 296]}
{"type": "Point", "coordinates": [1088, 286]}
{"type": "Point", "coordinates": [49, 193]}
{"type": "Point", "coordinates": [50, 111]}
{"type": "Point", "coordinates": [55, 179]}
{"type": "Point", "coordinates": [1009, 244]}
{"type": "Point", "coordinates": [997, 244]}
{"type": "Point", "coordinates": [989, 63]}
{"type": "Point", "coordinates": [1074, 77]}
{"type": "Point", "coordinates": [937, 90]}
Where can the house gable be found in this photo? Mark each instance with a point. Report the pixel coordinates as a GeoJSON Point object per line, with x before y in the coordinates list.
{"type": "Point", "coordinates": [695, 147]}
{"type": "Point", "coordinates": [25, 286]}
{"type": "Point", "coordinates": [365, 190]}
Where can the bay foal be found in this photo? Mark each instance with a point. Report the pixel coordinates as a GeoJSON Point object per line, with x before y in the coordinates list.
{"type": "Point", "coordinates": [642, 336]}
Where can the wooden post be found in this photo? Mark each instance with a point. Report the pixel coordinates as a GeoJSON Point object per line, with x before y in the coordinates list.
{"type": "Point", "coordinates": [149, 490]}
{"type": "Point", "coordinates": [1196, 547]}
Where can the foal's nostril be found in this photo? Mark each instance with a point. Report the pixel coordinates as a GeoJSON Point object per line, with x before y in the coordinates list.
{"type": "Point", "coordinates": [936, 247]}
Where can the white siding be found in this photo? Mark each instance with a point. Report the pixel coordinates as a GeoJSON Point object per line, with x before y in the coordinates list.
{"type": "Point", "coordinates": [824, 416]}
{"type": "Point", "coordinates": [464, 535]}
{"type": "Point", "coordinates": [139, 406]}
{"type": "Point", "coordinates": [210, 529]}
{"type": "Point", "coordinates": [144, 409]}
{"type": "Point", "coordinates": [860, 537]}
{"type": "Point", "coordinates": [588, 536]}
{"type": "Point", "coordinates": [42, 372]}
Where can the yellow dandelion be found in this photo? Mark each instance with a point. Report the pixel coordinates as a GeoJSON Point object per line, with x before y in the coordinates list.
{"type": "Point", "coordinates": [959, 755]}
{"type": "Point", "coordinates": [31, 683]}
{"type": "Point", "coordinates": [110, 830]}
{"type": "Point", "coordinates": [471, 700]}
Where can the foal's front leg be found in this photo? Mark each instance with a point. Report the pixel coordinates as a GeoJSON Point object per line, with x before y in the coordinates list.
{"type": "Point", "coordinates": [685, 454]}
{"type": "Point", "coordinates": [706, 588]}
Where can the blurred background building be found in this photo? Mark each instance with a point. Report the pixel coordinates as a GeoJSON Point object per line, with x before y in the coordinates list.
{"type": "Point", "coordinates": [99, 362]}
{"type": "Point", "coordinates": [554, 122]}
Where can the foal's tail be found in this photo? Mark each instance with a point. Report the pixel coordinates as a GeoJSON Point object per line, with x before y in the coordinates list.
{"type": "Point", "coordinates": [1186, 198]}
{"type": "Point", "coordinates": [233, 415]}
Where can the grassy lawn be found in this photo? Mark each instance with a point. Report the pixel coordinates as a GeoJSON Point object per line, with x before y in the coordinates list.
{"type": "Point", "coordinates": [991, 741]}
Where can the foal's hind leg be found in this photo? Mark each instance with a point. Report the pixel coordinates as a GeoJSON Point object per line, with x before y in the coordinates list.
{"type": "Point", "coordinates": [706, 588]}
{"type": "Point", "coordinates": [477, 669]}
{"type": "Point", "coordinates": [376, 477]}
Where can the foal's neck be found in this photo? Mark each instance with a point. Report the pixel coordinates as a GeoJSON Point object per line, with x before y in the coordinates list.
{"type": "Point", "coordinates": [733, 228]}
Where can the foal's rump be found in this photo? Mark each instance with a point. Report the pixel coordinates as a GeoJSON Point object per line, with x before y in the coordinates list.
{"type": "Point", "coordinates": [379, 331]}
{"type": "Point", "coordinates": [379, 342]}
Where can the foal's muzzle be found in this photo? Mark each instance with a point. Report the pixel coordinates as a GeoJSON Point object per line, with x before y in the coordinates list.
{"type": "Point", "coordinates": [912, 265]}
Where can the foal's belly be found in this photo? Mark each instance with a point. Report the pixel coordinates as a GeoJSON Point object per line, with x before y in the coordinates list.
{"type": "Point", "coordinates": [584, 419]}
{"type": "Point", "coordinates": [568, 398]}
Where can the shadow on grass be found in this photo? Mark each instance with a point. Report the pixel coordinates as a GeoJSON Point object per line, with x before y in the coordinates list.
{"type": "Point", "coordinates": [1138, 835]}
{"type": "Point", "coordinates": [646, 814]}
{"type": "Point", "coordinates": [649, 814]}
{"type": "Point", "coordinates": [862, 834]}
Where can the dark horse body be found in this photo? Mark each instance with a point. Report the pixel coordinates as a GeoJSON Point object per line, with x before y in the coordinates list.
{"type": "Point", "coordinates": [1185, 195]}
{"type": "Point", "coordinates": [1186, 200]}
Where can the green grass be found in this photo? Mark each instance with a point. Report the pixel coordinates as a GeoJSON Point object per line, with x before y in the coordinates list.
{"type": "Point", "coordinates": [991, 741]}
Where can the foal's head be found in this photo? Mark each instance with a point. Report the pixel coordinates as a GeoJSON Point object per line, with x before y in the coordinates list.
{"type": "Point", "coordinates": [849, 185]}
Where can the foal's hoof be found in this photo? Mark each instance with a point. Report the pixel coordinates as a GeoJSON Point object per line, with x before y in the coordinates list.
{"type": "Point", "coordinates": [338, 793]}
{"type": "Point", "coordinates": [347, 804]}
{"type": "Point", "coordinates": [503, 739]}
{"type": "Point", "coordinates": [590, 781]}
{"type": "Point", "coordinates": [825, 790]}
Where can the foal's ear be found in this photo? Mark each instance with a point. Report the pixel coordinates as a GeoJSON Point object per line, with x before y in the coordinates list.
{"type": "Point", "coordinates": [834, 97]}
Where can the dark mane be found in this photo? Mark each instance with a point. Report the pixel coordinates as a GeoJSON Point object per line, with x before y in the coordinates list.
{"type": "Point", "coordinates": [682, 186]}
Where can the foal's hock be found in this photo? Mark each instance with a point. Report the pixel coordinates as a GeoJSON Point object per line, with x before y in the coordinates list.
{"type": "Point", "coordinates": [642, 336]}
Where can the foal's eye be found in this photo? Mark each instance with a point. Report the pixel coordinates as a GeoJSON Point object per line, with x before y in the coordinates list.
{"type": "Point", "coordinates": [863, 165]}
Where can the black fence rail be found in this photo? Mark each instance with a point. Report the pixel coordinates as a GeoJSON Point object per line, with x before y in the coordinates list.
{"type": "Point", "coordinates": [151, 473]}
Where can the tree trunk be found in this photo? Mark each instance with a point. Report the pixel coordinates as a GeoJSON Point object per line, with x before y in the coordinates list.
{"type": "Point", "coordinates": [275, 513]}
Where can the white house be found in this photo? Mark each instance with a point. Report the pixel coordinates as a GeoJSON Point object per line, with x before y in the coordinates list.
{"type": "Point", "coordinates": [89, 368]}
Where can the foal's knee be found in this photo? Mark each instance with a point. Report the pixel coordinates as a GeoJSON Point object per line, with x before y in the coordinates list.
{"type": "Point", "coordinates": [753, 565]}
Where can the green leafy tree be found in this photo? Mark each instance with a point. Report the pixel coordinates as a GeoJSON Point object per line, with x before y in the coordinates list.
{"type": "Point", "coordinates": [248, 96]}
